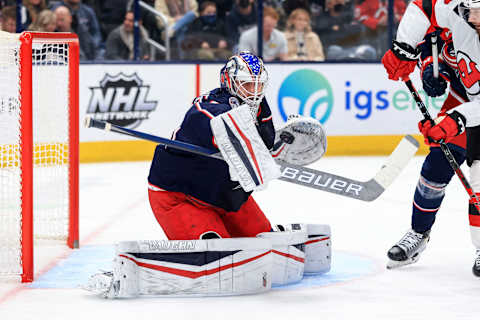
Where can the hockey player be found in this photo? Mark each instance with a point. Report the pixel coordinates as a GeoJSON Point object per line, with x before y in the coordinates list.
{"type": "Point", "coordinates": [194, 197]}
{"type": "Point", "coordinates": [462, 18]}
{"type": "Point", "coordinates": [436, 172]}
{"type": "Point", "coordinates": [219, 240]}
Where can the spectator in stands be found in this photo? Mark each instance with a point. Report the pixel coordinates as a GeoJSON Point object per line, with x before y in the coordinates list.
{"type": "Point", "coordinates": [243, 16]}
{"type": "Point", "coordinates": [84, 20]}
{"type": "Point", "coordinates": [374, 15]}
{"type": "Point", "coordinates": [149, 19]}
{"type": "Point", "coordinates": [302, 43]}
{"type": "Point", "coordinates": [341, 35]}
{"type": "Point", "coordinates": [223, 6]}
{"type": "Point", "coordinates": [8, 19]}
{"type": "Point", "coordinates": [274, 42]}
{"type": "Point", "coordinates": [290, 5]}
{"type": "Point", "coordinates": [120, 41]}
{"type": "Point", "coordinates": [207, 37]}
{"type": "Point", "coordinates": [110, 13]}
{"type": "Point", "coordinates": [46, 21]}
{"type": "Point", "coordinates": [64, 24]}
{"type": "Point", "coordinates": [33, 8]}
{"type": "Point", "coordinates": [179, 14]}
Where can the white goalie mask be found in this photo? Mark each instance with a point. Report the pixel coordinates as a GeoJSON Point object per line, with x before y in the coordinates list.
{"type": "Point", "coordinates": [245, 77]}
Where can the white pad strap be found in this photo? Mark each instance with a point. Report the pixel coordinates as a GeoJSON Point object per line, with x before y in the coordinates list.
{"type": "Point", "coordinates": [212, 267]}
{"type": "Point", "coordinates": [301, 141]}
{"type": "Point", "coordinates": [241, 146]}
{"type": "Point", "coordinates": [288, 249]}
{"type": "Point", "coordinates": [318, 245]}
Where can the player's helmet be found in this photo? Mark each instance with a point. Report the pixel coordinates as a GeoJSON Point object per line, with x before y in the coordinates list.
{"type": "Point", "coordinates": [245, 77]}
{"type": "Point", "coordinates": [465, 6]}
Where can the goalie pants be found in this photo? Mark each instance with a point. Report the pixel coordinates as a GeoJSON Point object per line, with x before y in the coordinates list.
{"type": "Point", "coordinates": [183, 217]}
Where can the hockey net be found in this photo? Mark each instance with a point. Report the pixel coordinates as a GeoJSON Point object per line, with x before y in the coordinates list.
{"type": "Point", "coordinates": [38, 145]}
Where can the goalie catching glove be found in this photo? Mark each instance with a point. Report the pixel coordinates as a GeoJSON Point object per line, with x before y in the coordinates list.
{"type": "Point", "coordinates": [241, 146]}
{"type": "Point", "coordinates": [300, 141]}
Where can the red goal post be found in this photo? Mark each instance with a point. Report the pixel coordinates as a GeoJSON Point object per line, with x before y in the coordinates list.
{"type": "Point", "coordinates": [39, 96]}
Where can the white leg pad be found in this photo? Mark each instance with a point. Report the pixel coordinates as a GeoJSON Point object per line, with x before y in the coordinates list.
{"type": "Point", "coordinates": [213, 267]}
{"type": "Point", "coordinates": [289, 255]}
{"type": "Point", "coordinates": [318, 249]}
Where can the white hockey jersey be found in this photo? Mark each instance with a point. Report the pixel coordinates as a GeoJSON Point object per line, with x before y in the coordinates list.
{"type": "Point", "coordinates": [419, 16]}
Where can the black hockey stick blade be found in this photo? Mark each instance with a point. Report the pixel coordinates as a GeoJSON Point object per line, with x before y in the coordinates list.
{"type": "Point", "coordinates": [364, 191]}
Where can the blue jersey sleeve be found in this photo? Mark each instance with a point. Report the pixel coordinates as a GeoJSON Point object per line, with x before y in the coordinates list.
{"type": "Point", "coordinates": [196, 124]}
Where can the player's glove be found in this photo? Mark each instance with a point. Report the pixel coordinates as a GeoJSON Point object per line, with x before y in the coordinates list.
{"type": "Point", "coordinates": [400, 61]}
{"type": "Point", "coordinates": [442, 129]}
{"type": "Point", "coordinates": [434, 87]}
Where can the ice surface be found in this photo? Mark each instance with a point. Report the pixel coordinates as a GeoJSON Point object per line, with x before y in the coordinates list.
{"type": "Point", "coordinates": [114, 207]}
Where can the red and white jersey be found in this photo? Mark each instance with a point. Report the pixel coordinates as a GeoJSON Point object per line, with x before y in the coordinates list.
{"type": "Point", "coordinates": [420, 16]}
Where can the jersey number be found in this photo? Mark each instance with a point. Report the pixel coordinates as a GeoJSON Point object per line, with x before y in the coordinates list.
{"type": "Point", "coordinates": [469, 73]}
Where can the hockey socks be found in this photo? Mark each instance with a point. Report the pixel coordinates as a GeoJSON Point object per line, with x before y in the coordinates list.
{"type": "Point", "coordinates": [435, 175]}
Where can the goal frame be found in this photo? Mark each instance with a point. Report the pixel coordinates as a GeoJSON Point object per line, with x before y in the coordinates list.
{"type": "Point", "coordinates": [27, 40]}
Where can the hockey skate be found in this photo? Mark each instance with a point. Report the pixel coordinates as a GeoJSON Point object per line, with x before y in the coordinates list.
{"type": "Point", "coordinates": [408, 249]}
{"type": "Point", "coordinates": [102, 284]}
{"type": "Point", "coordinates": [476, 264]}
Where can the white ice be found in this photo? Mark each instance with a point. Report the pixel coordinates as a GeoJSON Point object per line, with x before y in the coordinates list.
{"type": "Point", "coordinates": [114, 207]}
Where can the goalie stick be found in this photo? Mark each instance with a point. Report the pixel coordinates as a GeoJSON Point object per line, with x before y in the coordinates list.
{"type": "Point", "coordinates": [446, 151]}
{"type": "Point", "coordinates": [320, 180]}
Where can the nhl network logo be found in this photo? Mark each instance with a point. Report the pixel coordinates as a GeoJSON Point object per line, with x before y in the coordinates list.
{"type": "Point", "coordinates": [121, 100]}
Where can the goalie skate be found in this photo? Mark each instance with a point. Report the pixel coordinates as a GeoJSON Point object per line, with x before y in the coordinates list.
{"type": "Point", "coordinates": [101, 284]}
{"type": "Point", "coordinates": [408, 249]}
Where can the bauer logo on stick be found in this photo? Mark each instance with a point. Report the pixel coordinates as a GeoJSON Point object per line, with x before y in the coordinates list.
{"type": "Point", "coordinates": [122, 100]}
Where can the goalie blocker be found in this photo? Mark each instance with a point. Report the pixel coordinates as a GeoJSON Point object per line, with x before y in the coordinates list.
{"type": "Point", "coordinates": [215, 267]}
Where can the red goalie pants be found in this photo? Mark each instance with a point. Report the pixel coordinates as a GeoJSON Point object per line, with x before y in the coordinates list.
{"type": "Point", "coordinates": [185, 218]}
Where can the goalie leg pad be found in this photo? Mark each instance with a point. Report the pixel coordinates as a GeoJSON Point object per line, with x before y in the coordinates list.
{"type": "Point", "coordinates": [318, 249]}
{"type": "Point", "coordinates": [213, 267]}
{"type": "Point", "coordinates": [318, 245]}
{"type": "Point", "coordinates": [289, 255]}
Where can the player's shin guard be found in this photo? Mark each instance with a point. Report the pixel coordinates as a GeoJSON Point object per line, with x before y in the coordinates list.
{"type": "Point", "coordinates": [426, 202]}
{"type": "Point", "coordinates": [474, 216]}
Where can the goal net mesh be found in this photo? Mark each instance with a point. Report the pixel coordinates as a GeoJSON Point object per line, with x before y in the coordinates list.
{"type": "Point", "coordinates": [50, 93]}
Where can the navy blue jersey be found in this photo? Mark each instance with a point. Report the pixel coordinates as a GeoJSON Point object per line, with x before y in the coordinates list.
{"type": "Point", "coordinates": [204, 178]}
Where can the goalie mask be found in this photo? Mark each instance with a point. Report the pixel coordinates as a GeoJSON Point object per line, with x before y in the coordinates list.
{"type": "Point", "coordinates": [245, 77]}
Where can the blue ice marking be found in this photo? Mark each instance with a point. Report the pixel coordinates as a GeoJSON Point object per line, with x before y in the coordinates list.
{"type": "Point", "coordinates": [345, 267]}
{"type": "Point", "coordinates": [75, 270]}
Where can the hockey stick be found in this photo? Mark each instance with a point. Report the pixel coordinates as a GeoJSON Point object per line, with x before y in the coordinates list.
{"type": "Point", "coordinates": [324, 181]}
{"type": "Point", "coordinates": [446, 151]}
{"type": "Point", "coordinates": [435, 55]}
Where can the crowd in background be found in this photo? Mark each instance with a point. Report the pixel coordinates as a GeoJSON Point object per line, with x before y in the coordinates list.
{"type": "Point", "coordinates": [293, 30]}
